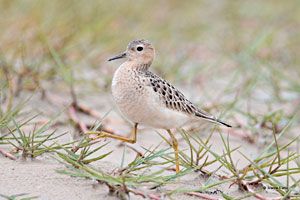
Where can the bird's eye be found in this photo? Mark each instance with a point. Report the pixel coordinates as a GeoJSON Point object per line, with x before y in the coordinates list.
{"type": "Point", "coordinates": [139, 48]}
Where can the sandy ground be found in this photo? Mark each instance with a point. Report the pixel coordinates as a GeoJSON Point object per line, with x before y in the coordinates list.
{"type": "Point", "coordinates": [39, 177]}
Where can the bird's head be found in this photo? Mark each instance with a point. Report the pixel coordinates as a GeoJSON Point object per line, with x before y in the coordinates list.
{"type": "Point", "coordinates": [140, 52]}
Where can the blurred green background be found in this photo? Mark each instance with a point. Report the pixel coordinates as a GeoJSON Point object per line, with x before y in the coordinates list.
{"type": "Point", "coordinates": [224, 51]}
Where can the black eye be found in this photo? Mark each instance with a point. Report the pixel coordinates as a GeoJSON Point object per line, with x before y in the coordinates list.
{"type": "Point", "coordinates": [139, 48]}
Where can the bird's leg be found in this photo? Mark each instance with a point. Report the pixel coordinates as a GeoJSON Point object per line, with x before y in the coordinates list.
{"type": "Point", "coordinates": [103, 134]}
{"type": "Point", "coordinates": [175, 147]}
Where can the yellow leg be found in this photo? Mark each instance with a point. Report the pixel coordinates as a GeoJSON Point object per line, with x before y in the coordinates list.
{"type": "Point", "coordinates": [175, 147]}
{"type": "Point", "coordinates": [103, 134]}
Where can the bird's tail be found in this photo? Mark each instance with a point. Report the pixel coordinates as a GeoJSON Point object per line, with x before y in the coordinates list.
{"type": "Point", "coordinates": [223, 123]}
{"type": "Point", "coordinates": [212, 119]}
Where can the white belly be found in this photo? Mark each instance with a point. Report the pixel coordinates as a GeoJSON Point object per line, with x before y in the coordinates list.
{"type": "Point", "coordinates": [141, 104]}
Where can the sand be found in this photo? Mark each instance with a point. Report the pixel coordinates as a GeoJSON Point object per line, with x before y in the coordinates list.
{"type": "Point", "coordinates": [39, 177]}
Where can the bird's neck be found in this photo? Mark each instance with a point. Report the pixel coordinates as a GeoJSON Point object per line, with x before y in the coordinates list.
{"type": "Point", "coordinates": [140, 66]}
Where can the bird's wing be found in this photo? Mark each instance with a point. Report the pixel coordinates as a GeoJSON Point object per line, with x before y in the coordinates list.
{"type": "Point", "coordinates": [173, 99]}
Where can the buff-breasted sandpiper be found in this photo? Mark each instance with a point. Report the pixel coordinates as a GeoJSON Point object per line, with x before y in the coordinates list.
{"type": "Point", "coordinates": [145, 98]}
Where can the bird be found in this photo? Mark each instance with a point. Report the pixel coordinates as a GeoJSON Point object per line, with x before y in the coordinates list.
{"type": "Point", "coordinates": [147, 99]}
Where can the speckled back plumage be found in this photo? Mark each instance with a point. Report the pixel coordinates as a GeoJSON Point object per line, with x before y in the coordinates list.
{"type": "Point", "coordinates": [171, 97]}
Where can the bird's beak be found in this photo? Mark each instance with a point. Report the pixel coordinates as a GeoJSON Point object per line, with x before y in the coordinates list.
{"type": "Point", "coordinates": [122, 55]}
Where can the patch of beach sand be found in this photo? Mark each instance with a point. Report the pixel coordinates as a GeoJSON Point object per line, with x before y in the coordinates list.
{"type": "Point", "coordinates": [39, 177]}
